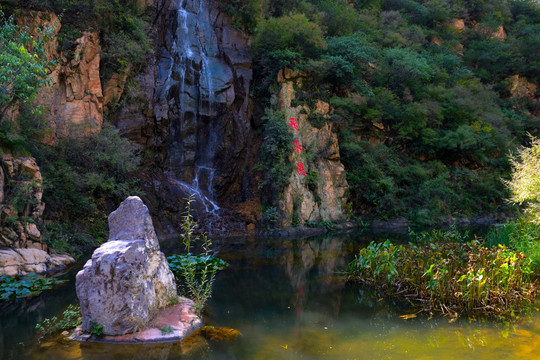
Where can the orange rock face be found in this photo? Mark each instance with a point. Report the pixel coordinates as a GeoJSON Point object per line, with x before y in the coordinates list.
{"type": "Point", "coordinates": [73, 102]}
{"type": "Point", "coordinates": [520, 87]}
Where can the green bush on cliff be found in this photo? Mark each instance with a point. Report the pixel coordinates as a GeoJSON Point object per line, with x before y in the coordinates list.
{"type": "Point", "coordinates": [84, 178]}
{"type": "Point", "coordinates": [244, 13]}
{"type": "Point", "coordinates": [293, 32]}
{"type": "Point", "coordinates": [121, 24]}
{"type": "Point", "coordinates": [23, 66]}
{"type": "Point", "coordinates": [276, 148]}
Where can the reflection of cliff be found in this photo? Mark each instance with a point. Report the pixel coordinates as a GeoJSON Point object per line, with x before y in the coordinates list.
{"type": "Point", "coordinates": [320, 260]}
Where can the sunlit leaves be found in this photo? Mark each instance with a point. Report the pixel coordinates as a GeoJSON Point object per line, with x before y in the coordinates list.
{"type": "Point", "coordinates": [22, 71]}
{"type": "Point", "coordinates": [525, 183]}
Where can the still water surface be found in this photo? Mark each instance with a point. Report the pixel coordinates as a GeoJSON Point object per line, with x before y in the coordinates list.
{"type": "Point", "coordinates": [289, 300]}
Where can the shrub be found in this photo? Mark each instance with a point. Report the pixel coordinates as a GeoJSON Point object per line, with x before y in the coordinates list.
{"type": "Point", "coordinates": [520, 235]}
{"type": "Point", "coordinates": [71, 318]}
{"type": "Point", "coordinates": [23, 64]}
{"type": "Point", "coordinates": [292, 32]}
{"type": "Point", "coordinates": [245, 14]}
{"type": "Point", "coordinates": [276, 148]}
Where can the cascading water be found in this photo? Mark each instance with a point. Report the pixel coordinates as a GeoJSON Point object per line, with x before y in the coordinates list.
{"type": "Point", "coordinates": [193, 49]}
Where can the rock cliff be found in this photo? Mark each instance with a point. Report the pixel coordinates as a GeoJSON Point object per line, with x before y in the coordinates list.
{"type": "Point", "coordinates": [321, 194]}
{"type": "Point", "coordinates": [73, 101]}
{"type": "Point", "coordinates": [192, 109]}
{"type": "Point", "coordinates": [22, 249]}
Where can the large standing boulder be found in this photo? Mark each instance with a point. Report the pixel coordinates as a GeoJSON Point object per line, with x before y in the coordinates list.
{"type": "Point", "coordinates": [127, 279]}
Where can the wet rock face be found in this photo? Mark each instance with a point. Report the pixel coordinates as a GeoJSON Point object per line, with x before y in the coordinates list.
{"type": "Point", "coordinates": [196, 96]}
{"type": "Point", "coordinates": [127, 280]}
{"type": "Point", "coordinates": [204, 75]}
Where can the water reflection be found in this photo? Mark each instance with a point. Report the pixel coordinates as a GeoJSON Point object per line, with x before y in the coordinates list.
{"type": "Point", "coordinates": [290, 300]}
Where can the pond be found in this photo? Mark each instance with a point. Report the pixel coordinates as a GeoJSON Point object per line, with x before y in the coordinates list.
{"type": "Point", "coordinates": [290, 300]}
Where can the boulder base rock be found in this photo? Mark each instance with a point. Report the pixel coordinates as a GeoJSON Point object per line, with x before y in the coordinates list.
{"type": "Point", "coordinates": [127, 280]}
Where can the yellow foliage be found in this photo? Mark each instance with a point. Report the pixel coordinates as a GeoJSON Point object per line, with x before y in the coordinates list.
{"type": "Point", "coordinates": [525, 183]}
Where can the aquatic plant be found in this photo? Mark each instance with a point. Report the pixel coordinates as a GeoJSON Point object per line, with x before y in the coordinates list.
{"type": "Point", "coordinates": [199, 262]}
{"type": "Point", "coordinates": [453, 277]}
{"type": "Point", "coordinates": [71, 318]}
{"type": "Point", "coordinates": [195, 274]}
{"type": "Point", "coordinates": [31, 285]}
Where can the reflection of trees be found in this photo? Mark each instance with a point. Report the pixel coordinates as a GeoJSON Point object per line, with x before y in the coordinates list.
{"type": "Point", "coordinates": [16, 316]}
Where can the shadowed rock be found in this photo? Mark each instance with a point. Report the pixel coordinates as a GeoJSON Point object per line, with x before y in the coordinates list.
{"type": "Point", "coordinates": [127, 280]}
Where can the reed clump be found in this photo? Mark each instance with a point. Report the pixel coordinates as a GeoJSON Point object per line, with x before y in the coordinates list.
{"type": "Point", "coordinates": [443, 272]}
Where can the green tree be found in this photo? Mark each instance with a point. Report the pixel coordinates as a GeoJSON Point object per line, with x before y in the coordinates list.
{"type": "Point", "coordinates": [23, 65]}
{"type": "Point", "coordinates": [293, 32]}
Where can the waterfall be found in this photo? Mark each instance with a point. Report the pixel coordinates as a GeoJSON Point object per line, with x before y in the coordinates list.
{"type": "Point", "coordinates": [193, 50]}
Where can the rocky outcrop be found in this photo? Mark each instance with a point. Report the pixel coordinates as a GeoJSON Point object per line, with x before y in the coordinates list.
{"type": "Point", "coordinates": [22, 250]}
{"type": "Point", "coordinates": [21, 206]}
{"type": "Point", "coordinates": [73, 101]}
{"type": "Point", "coordinates": [127, 280]}
{"type": "Point", "coordinates": [322, 194]}
{"type": "Point", "coordinates": [520, 87]}
{"type": "Point", "coordinates": [20, 262]}
{"type": "Point", "coordinates": [190, 108]}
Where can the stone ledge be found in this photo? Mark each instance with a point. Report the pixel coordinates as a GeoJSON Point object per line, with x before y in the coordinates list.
{"type": "Point", "coordinates": [21, 262]}
{"type": "Point", "coordinates": [181, 318]}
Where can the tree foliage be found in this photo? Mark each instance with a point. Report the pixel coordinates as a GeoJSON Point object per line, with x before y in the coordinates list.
{"type": "Point", "coordinates": [424, 109]}
{"type": "Point", "coordinates": [525, 182]}
{"type": "Point", "coordinates": [23, 65]}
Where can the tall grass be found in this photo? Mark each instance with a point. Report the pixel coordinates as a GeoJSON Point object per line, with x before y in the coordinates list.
{"type": "Point", "coordinates": [520, 235]}
{"type": "Point", "coordinates": [195, 274]}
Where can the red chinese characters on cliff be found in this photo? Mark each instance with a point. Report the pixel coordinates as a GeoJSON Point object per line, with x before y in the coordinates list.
{"type": "Point", "coordinates": [298, 146]}
{"type": "Point", "coordinates": [293, 124]}
{"type": "Point", "coordinates": [300, 169]}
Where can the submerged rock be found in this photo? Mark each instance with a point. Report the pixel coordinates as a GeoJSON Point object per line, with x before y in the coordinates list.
{"type": "Point", "coordinates": [127, 280]}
